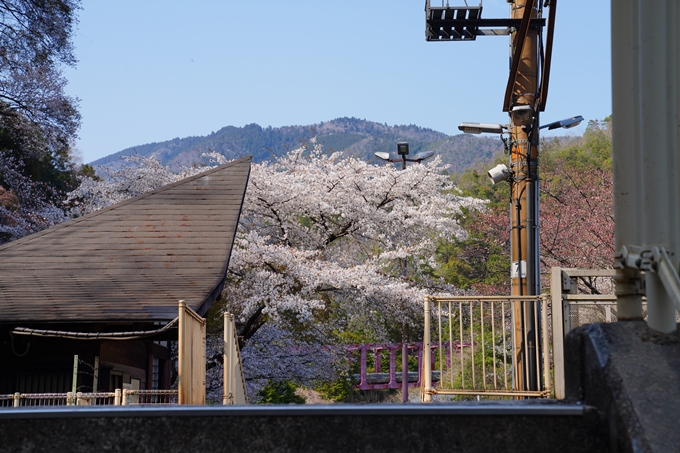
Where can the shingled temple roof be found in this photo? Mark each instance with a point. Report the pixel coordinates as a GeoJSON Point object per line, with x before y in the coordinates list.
{"type": "Point", "coordinates": [131, 261]}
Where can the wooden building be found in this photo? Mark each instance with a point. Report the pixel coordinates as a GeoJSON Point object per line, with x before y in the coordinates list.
{"type": "Point", "coordinates": [105, 286]}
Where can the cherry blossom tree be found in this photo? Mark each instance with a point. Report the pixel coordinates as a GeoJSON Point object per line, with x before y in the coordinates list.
{"type": "Point", "coordinates": [139, 175]}
{"type": "Point", "coordinates": [26, 206]}
{"type": "Point", "coordinates": [577, 215]}
{"type": "Point", "coordinates": [318, 230]}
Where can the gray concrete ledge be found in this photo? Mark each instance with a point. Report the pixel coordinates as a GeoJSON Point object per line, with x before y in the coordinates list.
{"type": "Point", "coordinates": [529, 408]}
{"type": "Point", "coordinates": [524, 427]}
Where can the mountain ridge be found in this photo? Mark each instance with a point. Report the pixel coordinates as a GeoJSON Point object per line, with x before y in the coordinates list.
{"type": "Point", "coordinates": [350, 136]}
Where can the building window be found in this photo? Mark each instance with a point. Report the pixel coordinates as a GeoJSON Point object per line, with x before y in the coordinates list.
{"type": "Point", "coordinates": [155, 374]}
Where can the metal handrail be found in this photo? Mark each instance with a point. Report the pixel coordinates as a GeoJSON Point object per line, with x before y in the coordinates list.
{"type": "Point", "coordinates": [116, 398]}
{"type": "Point", "coordinates": [478, 310]}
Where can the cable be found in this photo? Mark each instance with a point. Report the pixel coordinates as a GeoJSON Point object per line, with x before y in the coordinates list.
{"type": "Point", "coordinates": [131, 335]}
{"type": "Point", "coordinates": [28, 346]}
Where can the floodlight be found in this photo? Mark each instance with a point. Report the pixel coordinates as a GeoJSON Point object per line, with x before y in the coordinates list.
{"type": "Point", "coordinates": [499, 173]}
{"type": "Point", "coordinates": [478, 128]}
{"type": "Point", "coordinates": [402, 148]}
{"type": "Point", "coordinates": [522, 115]}
{"type": "Point", "coordinates": [383, 156]}
{"type": "Point", "coordinates": [565, 124]}
{"type": "Point", "coordinates": [424, 155]}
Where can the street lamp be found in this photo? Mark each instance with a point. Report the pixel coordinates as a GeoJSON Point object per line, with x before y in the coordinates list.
{"type": "Point", "coordinates": [478, 128]}
{"type": "Point", "coordinates": [565, 124]}
{"type": "Point", "coordinates": [522, 115]}
{"type": "Point", "coordinates": [402, 152]}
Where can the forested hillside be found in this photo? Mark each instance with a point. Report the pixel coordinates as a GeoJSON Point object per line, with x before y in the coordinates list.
{"type": "Point", "coordinates": [351, 136]}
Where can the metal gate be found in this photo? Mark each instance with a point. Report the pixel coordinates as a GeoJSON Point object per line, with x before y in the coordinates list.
{"type": "Point", "coordinates": [485, 361]}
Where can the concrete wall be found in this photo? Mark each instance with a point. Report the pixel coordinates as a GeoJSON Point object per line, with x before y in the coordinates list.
{"type": "Point", "coordinates": [505, 427]}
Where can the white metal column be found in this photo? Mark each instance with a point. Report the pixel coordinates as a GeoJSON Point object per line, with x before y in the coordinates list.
{"type": "Point", "coordinates": [646, 122]}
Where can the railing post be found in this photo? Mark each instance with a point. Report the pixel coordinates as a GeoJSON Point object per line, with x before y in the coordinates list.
{"type": "Point", "coordinates": [116, 397]}
{"type": "Point", "coordinates": [363, 381]}
{"type": "Point", "coordinates": [420, 365]}
{"type": "Point", "coordinates": [17, 399]}
{"type": "Point", "coordinates": [427, 360]}
{"type": "Point", "coordinates": [546, 354]}
{"type": "Point", "coordinates": [226, 362]}
{"type": "Point", "coordinates": [393, 368]}
{"type": "Point", "coordinates": [558, 331]}
{"type": "Point", "coordinates": [69, 399]}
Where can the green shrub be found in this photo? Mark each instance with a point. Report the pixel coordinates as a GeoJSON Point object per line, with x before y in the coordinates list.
{"type": "Point", "coordinates": [282, 392]}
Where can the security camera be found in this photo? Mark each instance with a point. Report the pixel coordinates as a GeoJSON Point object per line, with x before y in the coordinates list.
{"type": "Point", "coordinates": [499, 173]}
{"type": "Point", "coordinates": [522, 115]}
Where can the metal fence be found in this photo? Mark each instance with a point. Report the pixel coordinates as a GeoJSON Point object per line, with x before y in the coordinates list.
{"type": "Point", "coordinates": [484, 363]}
{"type": "Point", "coordinates": [35, 399]}
{"type": "Point", "coordinates": [124, 397]}
{"type": "Point", "coordinates": [145, 397]}
{"type": "Point", "coordinates": [584, 296]}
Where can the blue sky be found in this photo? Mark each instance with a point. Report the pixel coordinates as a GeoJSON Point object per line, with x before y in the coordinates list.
{"type": "Point", "coordinates": [154, 70]}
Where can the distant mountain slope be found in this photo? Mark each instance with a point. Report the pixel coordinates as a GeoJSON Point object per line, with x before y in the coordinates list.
{"type": "Point", "coordinates": [350, 136]}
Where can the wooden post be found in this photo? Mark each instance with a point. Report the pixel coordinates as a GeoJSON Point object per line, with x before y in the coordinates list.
{"type": "Point", "coordinates": [234, 382]}
{"type": "Point", "coordinates": [228, 394]}
{"type": "Point", "coordinates": [191, 357]}
{"type": "Point", "coordinates": [427, 355]}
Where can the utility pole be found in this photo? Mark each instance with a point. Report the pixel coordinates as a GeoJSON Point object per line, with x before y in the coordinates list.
{"type": "Point", "coordinates": [525, 97]}
{"type": "Point", "coordinates": [525, 264]}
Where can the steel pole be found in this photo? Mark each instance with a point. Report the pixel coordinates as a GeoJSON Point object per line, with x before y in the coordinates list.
{"type": "Point", "coordinates": [626, 161]}
{"type": "Point", "coordinates": [660, 126]}
{"type": "Point", "coordinates": [404, 346]}
{"type": "Point", "coordinates": [646, 137]}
